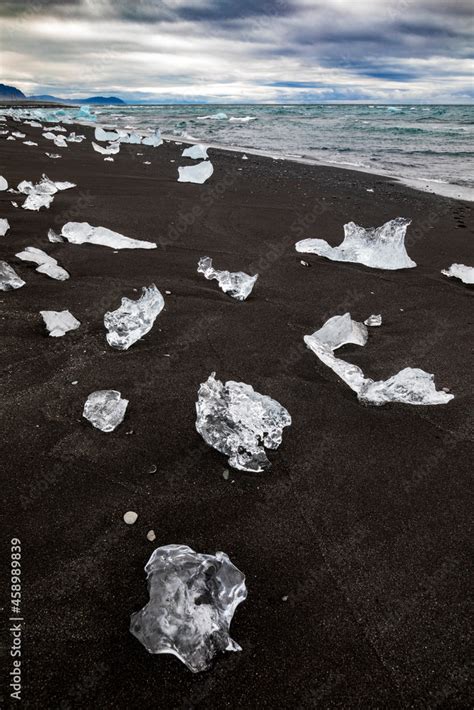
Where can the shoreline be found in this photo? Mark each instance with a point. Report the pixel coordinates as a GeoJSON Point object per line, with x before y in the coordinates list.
{"type": "Point", "coordinates": [354, 544]}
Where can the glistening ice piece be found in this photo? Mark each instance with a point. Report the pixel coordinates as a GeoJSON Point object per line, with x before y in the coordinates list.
{"type": "Point", "coordinates": [46, 264]}
{"type": "Point", "coordinates": [196, 173]}
{"type": "Point", "coordinates": [380, 248]}
{"type": "Point", "coordinates": [9, 279]}
{"type": "Point", "coordinates": [84, 233]}
{"type": "Point", "coordinates": [196, 152]}
{"type": "Point", "coordinates": [193, 598]}
{"type": "Point", "coordinates": [460, 271]}
{"type": "Point", "coordinates": [236, 283]}
{"type": "Point", "coordinates": [409, 386]}
{"type": "Point", "coordinates": [105, 409]}
{"type": "Point", "coordinates": [239, 422]}
{"type": "Point", "coordinates": [133, 319]}
{"type": "Point", "coordinates": [59, 322]}
{"type": "Point", "coordinates": [4, 227]}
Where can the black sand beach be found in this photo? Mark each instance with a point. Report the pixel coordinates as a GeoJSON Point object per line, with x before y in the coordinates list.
{"type": "Point", "coordinates": [355, 544]}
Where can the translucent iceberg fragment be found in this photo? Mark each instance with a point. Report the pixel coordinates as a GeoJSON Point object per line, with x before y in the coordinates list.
{"type": "Point", "coordinates": [18, 134]}
{"type": "Point", "coordinates": [102, 135]}
{"type": "Point", "coordinates": [74, 138]}
{"type": "Point", "coordinates": [59, 322]}
{"type": "Point", "coordinates": [193, 598]}
{"type": "Point", "coordinates": [55, 156]}
{"type": "Point", "coordinates": [29, 143]}
{"type": "Point", "coordinates": [105, 409]}
{"type": "Point", "coordinates": [9, 279]}
{"type": "Point", "coordinates": [46, 264]}
{"type": "Point", "coordinates": [460, 271]}
{"type": "Point", "coordinates": [380, 248]}
{"type": "Point", "coordinates": [196, 173]}
{"type": "Point", "coordinates": [239, 422]}
{"type": "Point", "coordinates": [4, 227]}
{"type": "Point", "coordinates": [154, 140]}
{"type": "Point", "coordinates": [196, 152]}
{"type": "Point", "coordinates": [3, 184]}
{"type": "Point", "coordinates": [111, 149]}
{"type": "Point", "coordinates": [83, 232]}
{"type": "Point", "coordinates": [236, 283]}
{"type": "Point", "coordinates": [60, 142]}
{"type": "Point", "coordinates": [373, 320]}
{"type": "Point", "coordinates": [409, 386]}
{"type": "Point", "coordinates": [41, 194]}
{"type": "Point", "coordinates": [133, 319]}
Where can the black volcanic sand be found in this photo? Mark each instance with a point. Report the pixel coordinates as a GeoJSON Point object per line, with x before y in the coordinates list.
{"type": "Point", "coordinates": [355, 543]}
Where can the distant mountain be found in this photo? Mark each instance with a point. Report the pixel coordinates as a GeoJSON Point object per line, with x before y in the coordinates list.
{"type": "Point", "coordinates": [10, 92]}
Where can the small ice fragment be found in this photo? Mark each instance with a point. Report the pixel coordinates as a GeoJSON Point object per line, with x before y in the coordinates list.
{"type": "Point", "coordinates": [60, 142]}
{"type": "Point", "coordinates": [242, 119]}
{"type": "Point", "coordinates": [237, 284]}
{"type": "Point", "coordinates": [133, 319]}
{"type": "Point", "coordinates": [154, 141]}
{"type": "Point", "coordinates": [196, 173]}
{"type": "Point", "coordinates": [193, 598]}
{"type": "Point", "coordinates": [54, 236]}
{"type": "Point", "coordinates": [18, 134]}
{"type": "Point", "coordinates": [304, 263]}
{"type": "Point", "coordinates": [9, 279]}
{"type": "Point", "coordinates": [374, 320]}
{"type": "Point", "coordinates": [3, 184]}
{"type": "Point", "coordinates": [153, 468]}
{"type": "Point", "coordinates": [46, 264]}
{"type": "Point", "coordinates": [105, 409]}
{"type": "Point", "coordinates": [109, 159]}
{"type": "Point", "coordinates": [130, 517]}
{"type": "Point", "coordinates": [83, 232]}
{"type": "Point", "coordinates": [151, 535]}
{"type": "Point", "coordinates": [409, 386]}
{"type": "Point", "coordinates": [58, 323]}
{"type": "Point", "coordinates": [41, 194]}
{"type": "Point", "coordinates": [370, 189]}
{"type": "Point", "coordinates": [225, 474]}
{"type": "Point", "coordinates": [53, 155]}
{"type": "Point", "coordinates": [196, 152]}
{"type": "Point", "coordinates": [4, 227]}
{"type": "Point", "coordinates": [14, 204]}
{"type": "Point", "coordinates": [101, 135]}
{"type": "Point", "coordinates": [29, 143]}
{"type": "Point", "coordinates": [75, 382]}
{"type": "Point", "coordinates": [244, 157]}
{"type": "Point", "coordinates": [111, 149]}
{"type": "Point", "coordinates": [460, 271]}
{"type": "Point", "coordinates": [147, 162]}
{"type": "Point", "coordinates": [239, 422]}
{"type": "Point", "coordinates": [10, 138]}
{"type": "Point", "coordinates": [380, 248]}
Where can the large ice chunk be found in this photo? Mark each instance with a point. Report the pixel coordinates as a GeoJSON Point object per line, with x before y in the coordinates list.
{"type": "Point", "coordinates": [155, 140]}
{"type": "Point", "coordinates": [41, 194]}
{"type": "Point", "coordinates": [84, 233]}
{"type": "Point", "coordinates": [409, 386]}
{"type": "Point", "coordinates": [46, 264]}
{"type": "Point", "coordinates": [196, 173]}
{"type": "Point", "coordinates": [193, 598]}
{"type": "Point", "coordinates": [239, 422]}
{"type": "Point", "coordinates": [380, 248]}
{"type": "Point", "coordinates": [196, 152]}
{"type": "Point", "coordinates": [111, 149]}
{"type": "Point", "coordinates": [9, 279]}
{"type": "Point", "coordinates": [4, 227]}
{"type": "Point", "coordinates": [3, 184]}
{"type": "Point", "coordinates": [133, 319]}
{"type": "Point", "coordinates": [236, 283]}
{"type": "Point", "coordinates": [102, 135]}
{"type": "Point", "coordinates": [105, 409]}
{"type": "Point", "coordinates": [59, 322]}
{"type": "Point", "coordinates": [460, 271]}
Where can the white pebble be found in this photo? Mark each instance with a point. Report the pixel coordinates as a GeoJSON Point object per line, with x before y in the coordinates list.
{"type": "Point", "coordinates": [151, 535]}
{"type": "Point", "coordinates": [130, 517]}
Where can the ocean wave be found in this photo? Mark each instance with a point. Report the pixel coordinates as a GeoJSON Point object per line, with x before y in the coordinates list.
{"type": "Point", "coordinates": [243, 119]}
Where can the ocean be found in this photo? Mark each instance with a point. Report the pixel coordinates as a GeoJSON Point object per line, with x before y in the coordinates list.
{"type": "Point", "coordinates": [430, 147]}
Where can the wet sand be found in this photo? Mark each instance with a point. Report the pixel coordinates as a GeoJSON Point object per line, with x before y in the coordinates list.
{"type": "Point", "coordinates": [355, 544]}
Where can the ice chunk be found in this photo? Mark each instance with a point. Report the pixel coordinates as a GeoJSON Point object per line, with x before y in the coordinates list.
{"type": "Point", "coordinates": [73, 138]}
{"type": "Point", "coordinates": [193, 598]}
{"type": "Point", "coordinates": [239, 422]}
{"type": "Point", "coordinates": [46, 264]}
{"type": "Point", "coordinates": [54, 236]}
{"type": "Point", "coordinates": [380, 248]}
{"type": "Point", "coordinates": [9, 279]}
{"type": "Point", "coordinates": [460, 271]}
{"type": "Point", "coordinates": [105, 409]}
{"type": "Point", "coordinates": [41, 194]}
{"type": "Point", "coordinates": [196, 152]}
{"type": "Point", "coordinates": [409, 386]}
{"type": "Point", "coordinates": [55, 156]}
{"type": "Point", "coordinates": [102, 135]}
{"type": "Point", "coordinates": [3, 184]}
{"type": "Point", "coordinates": [83, 232]}
{"type": "Point", "coordinates": [18, 134]}
{"type": "Point", "coordinates": [109, 159]}
{"type": "Point", "coordinates": [154, 140]}
{"type": "Point", "coordinates": [59, 322]}
{"type": "Point", "coordinates": [29, 143]}
{"type": "Point", "coordinates": [236, 283]}
{"type": "Point", "coordinates": [111, 149]}
{"type": "Point", "coordinates": [373, 320]}
{"type": "Point", "coordinates": [133, 319]}
{"type": "Point", "coordinates": [130, 517]}
{"type": "Point", "coordinates": [4, 227]}
{"type": "Point", "coordinates": [196, 173]}
{"type": "Point", "coordinates": [244, 157]}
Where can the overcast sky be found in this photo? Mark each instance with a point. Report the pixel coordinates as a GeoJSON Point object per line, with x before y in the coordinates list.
{"type": "Point", "coordinates": [240, 50]}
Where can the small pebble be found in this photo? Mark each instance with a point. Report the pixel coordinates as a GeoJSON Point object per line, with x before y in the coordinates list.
{"type": "Point", "coordinates": [75, 382]}
{"type": "Point", "coordinates": [151, 535]}
{"type": "Point", "coordinates": [285, 598]}
{"type": "Point", "coordinates": [225, 475]}
{"type": "Point", "coordinates": [130, 517]}
{"type": "Point", "coordinates": [168, 292]}
{"type": "Point", "coordinates": [153, 469]}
